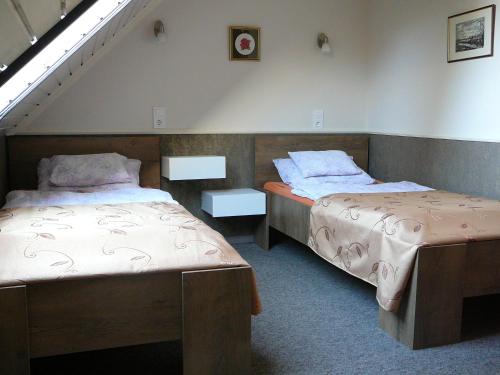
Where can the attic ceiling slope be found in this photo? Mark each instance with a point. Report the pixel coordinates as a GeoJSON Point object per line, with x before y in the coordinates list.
{"type": "Point", "coordinates": [35, 95]}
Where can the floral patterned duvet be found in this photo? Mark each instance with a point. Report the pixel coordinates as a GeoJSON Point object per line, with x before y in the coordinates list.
{"type": "Point", "coordinates": [39, 244]}
{"type": "Point", "coordinates": [376, 236]}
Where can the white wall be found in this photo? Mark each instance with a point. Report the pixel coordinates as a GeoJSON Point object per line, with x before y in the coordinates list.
{"type": "Point", "coordinates": [205, 93]}
{"type": "Point", "coordinates": [413, 90]}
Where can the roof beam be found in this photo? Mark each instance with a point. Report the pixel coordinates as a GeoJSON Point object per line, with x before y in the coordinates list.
{"type": "Point", "coordinates": [24, 20]}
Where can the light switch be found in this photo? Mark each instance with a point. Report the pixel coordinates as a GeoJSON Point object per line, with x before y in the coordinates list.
{"type": "Point", "coordinates": [318, 118]}
{"type": "Point", "coordinates": [159, 117]}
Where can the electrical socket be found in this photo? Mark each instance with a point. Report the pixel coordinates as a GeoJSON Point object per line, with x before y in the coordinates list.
{"type": "Point", "coordinates": [159, 117]}
{"type": "Point", "coordinates": [318, 119]}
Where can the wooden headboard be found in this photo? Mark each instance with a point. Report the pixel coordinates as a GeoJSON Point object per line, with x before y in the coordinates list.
{"type": "Point", "coordinates": [24, 153]}
{"type": "Point", "coordinates": [269, 147]}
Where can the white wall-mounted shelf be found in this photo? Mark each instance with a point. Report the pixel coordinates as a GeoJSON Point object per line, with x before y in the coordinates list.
{"type": "Point", "coordinates": [177, 168]}
{"type": "Point", "coordinates": [233, 202]}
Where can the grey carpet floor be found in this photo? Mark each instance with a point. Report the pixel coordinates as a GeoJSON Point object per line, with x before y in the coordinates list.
{"type": "Point", "coordinates": [316, 320]}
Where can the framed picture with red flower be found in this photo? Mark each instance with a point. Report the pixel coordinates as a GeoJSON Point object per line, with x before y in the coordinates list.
{"type": "Point", "coordinates": [244, 43]}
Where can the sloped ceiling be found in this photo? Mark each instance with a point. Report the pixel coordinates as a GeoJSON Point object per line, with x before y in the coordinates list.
{"type": "Point", "coordinates": [74, 60]}
{"type": "Point", "coordinates": [41, 15]}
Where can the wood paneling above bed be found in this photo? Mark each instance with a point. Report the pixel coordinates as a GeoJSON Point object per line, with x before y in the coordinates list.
{"type": "Point", "coordinates": [269, 147]}
{"type": "Point", "coordinates": [24, 153]}
{"type": "Point", "coordinates": [3, 167]}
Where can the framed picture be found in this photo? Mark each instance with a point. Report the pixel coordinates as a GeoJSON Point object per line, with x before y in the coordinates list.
{"type": "Point", "coordinates": [471, 34]}
{"type": "Point", "coordinates": [244, 43]}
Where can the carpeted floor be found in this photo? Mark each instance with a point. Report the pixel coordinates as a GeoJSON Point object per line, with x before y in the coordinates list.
{"type": "Point", "coordinates": [316, 320]}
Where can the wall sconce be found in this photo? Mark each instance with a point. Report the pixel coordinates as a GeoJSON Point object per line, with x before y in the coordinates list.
{"type": "Point", "coordinates": [323, 43]}
{"type": "Point", "coordinates": [159, 30]}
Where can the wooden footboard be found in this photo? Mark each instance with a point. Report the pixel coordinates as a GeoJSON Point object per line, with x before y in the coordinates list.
{"type": "Point", "coordinates": [209, 310]}
{"type": "Point", "coordinates": [431, 311]}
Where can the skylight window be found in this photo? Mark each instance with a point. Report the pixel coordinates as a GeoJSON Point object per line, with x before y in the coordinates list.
{"type": "Point", "coordinates": [56, 53]}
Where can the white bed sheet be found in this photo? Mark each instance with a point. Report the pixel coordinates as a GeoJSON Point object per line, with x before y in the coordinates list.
{"type": "Point", "coordinates": [316, 191]}
{"type": "Point", "coordinates": [37, 198]}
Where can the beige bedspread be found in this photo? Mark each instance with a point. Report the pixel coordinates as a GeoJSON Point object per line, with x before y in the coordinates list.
{"type": "Point", "coordinates": [376, 236]}
{"type": "Point", "coordinates": [40, 244]}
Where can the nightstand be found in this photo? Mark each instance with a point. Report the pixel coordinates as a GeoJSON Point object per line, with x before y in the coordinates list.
{"type": "Point", "coordinates": [233, 202]}
{"type": "Point", "coordinates": [177, 168]}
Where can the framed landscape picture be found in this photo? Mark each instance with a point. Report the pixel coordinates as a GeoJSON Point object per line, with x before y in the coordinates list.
{"type": "Point", "coordinates": [244, 43]}
{"type": "Point", "coordinates": [471, 34]}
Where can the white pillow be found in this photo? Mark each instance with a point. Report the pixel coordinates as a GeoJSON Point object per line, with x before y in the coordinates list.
{"type": "Point", "coordinates": [290, 174]}
{"type": "Point", "coordinates": [45, 169]}
{"type": "Point", "coordinates": [324, 163]}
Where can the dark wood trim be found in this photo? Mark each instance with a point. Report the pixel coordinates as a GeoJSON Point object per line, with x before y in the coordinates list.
{"type": "Point", "coordinates": [14, 337]}
{"type": "Point", "coordinates": [44, 40]}
{"type": "Point", "coordinates": [216, 321]}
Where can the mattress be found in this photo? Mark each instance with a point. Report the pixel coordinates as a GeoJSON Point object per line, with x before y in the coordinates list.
{"type": "Point", "coordinates": [280, 188]}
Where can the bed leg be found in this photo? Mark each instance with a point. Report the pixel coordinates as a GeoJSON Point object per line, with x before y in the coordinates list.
{"type": "Point", "coordinates": [431, 311]}
{"type": "Point", "coordinates": [262, 235]}
{"type": "Point", "coordinates": [217, 321]}
{"type": "Point", "coordinates": [14, 343]}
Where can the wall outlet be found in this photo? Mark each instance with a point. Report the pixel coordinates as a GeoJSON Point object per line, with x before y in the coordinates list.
{"type": "Point", "coordinates": [159, 117]}
{"type": "Point", "coordinates": [318, 119]}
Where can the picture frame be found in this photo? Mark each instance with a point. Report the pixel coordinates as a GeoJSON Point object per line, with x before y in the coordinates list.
{"type": "Point", "coordinates": [244, 43]}
{"type": "Point", "coordinates": [471, 35]}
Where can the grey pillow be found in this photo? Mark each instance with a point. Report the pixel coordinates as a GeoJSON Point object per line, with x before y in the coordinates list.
{"type": "Point", "coordinates": [88, 170]}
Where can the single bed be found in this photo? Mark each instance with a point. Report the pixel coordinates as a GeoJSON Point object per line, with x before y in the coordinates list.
{"type": "Point", "coordinates": [56, 300]}
{"type": "Point", "coordinates": [430, 311]}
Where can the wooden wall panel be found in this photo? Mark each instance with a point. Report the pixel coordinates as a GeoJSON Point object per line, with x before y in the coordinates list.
{"type": "Point", "coordinates": [24, 153]}
{"type": "Point", "coordinates": [239, 152]}
{"type": "Point", "coordinates": [461, 166]}
{"type": "Point", "coordinates": [3, 168]}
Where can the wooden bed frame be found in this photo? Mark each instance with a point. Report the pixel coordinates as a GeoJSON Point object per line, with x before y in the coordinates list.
{"type": "Point", "coordinates": [68, 316]}
{"type": "Point", "coordinates": [431, 311]}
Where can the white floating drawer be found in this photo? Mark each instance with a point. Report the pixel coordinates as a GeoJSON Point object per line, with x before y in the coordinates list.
{"type": "Point", "coordinates": [233, 202]}
{"type": "Point", "coordinates": [193, 167]}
